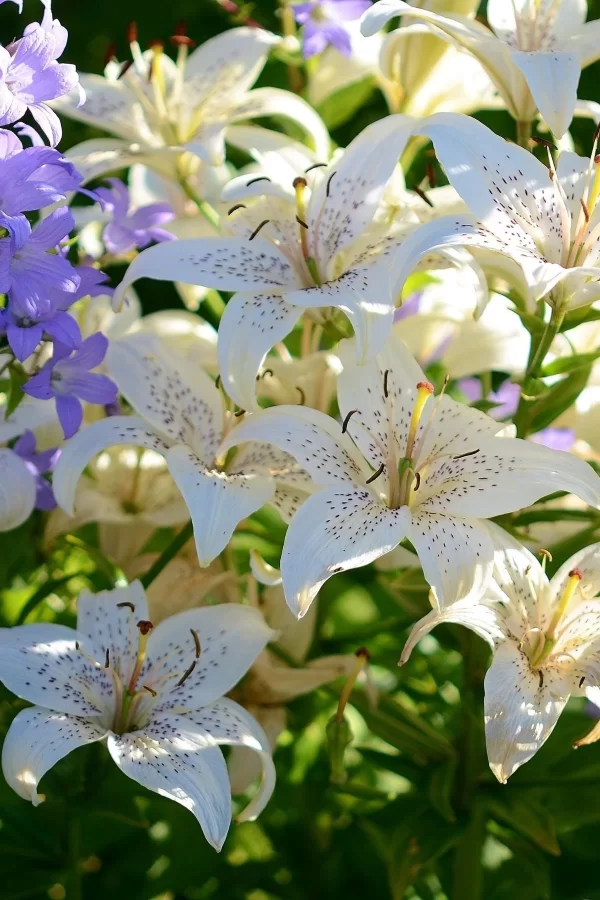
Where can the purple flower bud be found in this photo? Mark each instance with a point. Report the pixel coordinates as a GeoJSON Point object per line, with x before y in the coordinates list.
{"type": "Point", "coordinates": [38, 464]}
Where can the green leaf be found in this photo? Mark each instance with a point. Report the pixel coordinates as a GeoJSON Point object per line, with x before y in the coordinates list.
{"type": "Point", "coordinates": [441, 786]}
{"type": "Point", "coordinates": [526, 814]}
{"type": "Point", "coordinates": [570, 363]}
{"type": "Point", "coordinates": [558, 398]}
{"type": "Point", "coordinates": [340, 106]}
{"type": "Point", "coordinates": [15, 392]}
{"type": "Point", "coordinates": [533, 324]}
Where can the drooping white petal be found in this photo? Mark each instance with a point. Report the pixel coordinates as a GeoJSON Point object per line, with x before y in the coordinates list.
{"type": "Point", "coordinates": [521, 710]}
{"type": "Point", "coordinates": [337, 529]}
{"type": "Point", "coordinates": [83, 446]}
{"type": "Point", "coordinates": [585, 42]}
{"type": "Point", "coordinates": [217, 501]}
{"type": "Point", "coordinates": [229, 723]}
{"type": "Point", "coordinates": [250, 326]}
{"type": "Point", "coordinates": [344, 202]}
{"type": "Point", "coordinates": [99, 156]}
{"type": "Point", "coordinates": [36, 740]}
{"type": "Point", "coordinates": [230, 636]}
{"type": "Point", "coordinates": [505, 187]}
{"type": "Point", "coordinates": [456, 554]}
{"type": "Point", "coordinates": [467, 34]}
{"type": "Point", "coordinates": [504, 474]}
{"type": "Point", "coordinates": [177, 399]}
{"type": "Point", "coordinates": [312, 437]}
{"type": "Point", "coordinates": [109, 105]}
{"type": "Point", "coordinates": [17, 491]}
{"type": "Point", "coordinates": [170, 758]}
{"type": "Point", "coordinates": [553, 78]}
{"type": "Point", "coordinates": [41, 664]}
{"type": "Point", "coordinates": [269, 101]}
{"type": "Point", "coordinates": [109, 620]}
{"type": "Point", "coordinates": [229, 263]}
{"type": "Point", "coordinates": [380, 420]}
{"type": "Point", "coordinates": [223, 68]}
{"type": "Point", "coordinates": [478, 617]}
{"type": "Point", "coordinates": [519, 575]}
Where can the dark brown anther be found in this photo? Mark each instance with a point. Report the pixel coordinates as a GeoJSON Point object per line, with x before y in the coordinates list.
{"type": "Point", "coordinates": [157, 44]}
{"type": "Point", "coordinates": [586, 211]}
{"type": "Point", "coordinates": [544, 143]}
{"type": "Point", "coordinates": [417, 481]}
{"type": "Point", "coordinates": [240, 412]}
{"type": "Point", "coordinates": [77, 646]}
{"type": "Point", "coordinates": [111, 53]}
{"type": "Point", "coordinates": [218, 382]}
{"type": "Point", "coordinates": [299, 182]}
{"type": "Point", "coordinates": [125, 68]}
{"type": "Point", "coordinates": [268, 372]}
{"type": "Point", "coordinates": [315, 166]}
{"type": "Point", "coordinates": [468, 453]}
{"type": "Point", "coordinates": [581, 680]}
{"type": "Point", "coordinates": [576, 573]}
{"type": "Point", "coordinates": [364, 653]}
{"type": "Point", "coordinates": [328, 187]}
{"type": "Point", "coordinates": [144, 626]}
{"type": "Point", "coordinates": [541, 674]}
{"type": "Point", "coordinates": [127, 604]}
{"type": "Point", "coordinates": [197, 646]}
{"type": "Point", "coordinates": [302, 395]}
{"type": "Point", "coordinates": [431, 176]}
{"type": "Point", "coordinates": [180, 38]}
{"type": "Point", "coordinates": [346, 421]}
{"type": "Point", "coordinates": [597, 158]}
{"type": "Point", "coordinates": [257, 229]}
{"type": "Point", "coordinates": [107, 659]}
{"type": "Point", "coordinates": [386, 375]}
{"type": "Point", "coordinates": [132, 33]}
{"type": "Point", "coordinates": [186, 674]}
{"type": "Point", "coordinates": [300, 222]}
{"type": "Point", "coordinates": [376, 474]}
{"type": "Point", "coordinates": [150, 690]}
{"type": "Point", "coordinates": [256, 180]}
{"type": "Point", "coordinates": [423, 196]}
{"type": "Point", "coordinates": [236, 207]}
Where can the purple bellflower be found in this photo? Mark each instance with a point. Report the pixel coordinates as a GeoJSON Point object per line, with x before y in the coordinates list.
{"type": "Point", "coordinates": [67, 378]}
{"type": "Point", "coordinates": [555, 438]}
{"type": "Point", "coordinates": [38, 464]}
{"type": "Point", "coordinates": [128, 229]}
{"type": "Point", "coordinates": [322, 24]}
{"type": "Point", "coordinates": [30, 75]}
{"type": "Point", "coordinates": [507, 397]}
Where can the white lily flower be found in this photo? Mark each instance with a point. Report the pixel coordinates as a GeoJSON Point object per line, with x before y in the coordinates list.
{"type": "Point", "coordinates": [547, 221]}
{"type": "Point", "coordinates": [329, 247]}
{"type": "Point", "coordinates": [533, 53]}
{"type": "Point", "coordinates": [159, 109]}
{"type": "Point", "coordinates": [180, 415]}
{"type": "Point", "coordinates": [545, 635]}
{"type": "Point", "coordinates": [129, 493]}
{"type": "Point", "coordinates": [154, 694]}
{"type": "Point", "coordinates": [404, 465]}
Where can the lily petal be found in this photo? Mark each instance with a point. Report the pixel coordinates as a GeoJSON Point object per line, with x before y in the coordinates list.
{"type": "Point", "coordinates": [17, 491]}
{"type": "Point", "coordinates": [36, 740]}
{"type": "Point", "coordinates": [553, 78]}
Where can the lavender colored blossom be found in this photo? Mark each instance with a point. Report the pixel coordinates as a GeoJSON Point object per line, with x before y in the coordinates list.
{"type": "Point", "coordinates": [555, 438]}
{"type": "Point", "coordinates": [322, 24]}
{"type": "Point", "coordinates": [38, 464]}
{"type": "Point", "coordinates": [28, 272]}
{"type": "Point", "coordinates": [132, 229]}
{"type": "Point", "coordinates": [410, 307]}
{"type": "Point", "coordinates": [507, 396]}
{"type": "Point", "coordinates": [31, 179]}
{"type": "Point", "coordinates": [30, 75]}
{"type": "Point", "coordinates": [68, 378]}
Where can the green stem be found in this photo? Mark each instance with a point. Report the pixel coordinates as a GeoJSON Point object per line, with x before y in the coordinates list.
{"type": "Point", "coordinates": [210, 214]}
{"type": "Point", "coordinates": [523, 134]}
{"type": "Point", "coordinates": [75, 891]}
{"type": "Point", "coordinates": [536, 361]}
{"type": "Point", "coordinates": [168, 553]}
{"type": "Point", "coordinates": [468, 869]}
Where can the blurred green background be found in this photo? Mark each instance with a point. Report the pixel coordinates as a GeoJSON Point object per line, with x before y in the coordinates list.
{"type": "Point", "coordinates": [399, 831]}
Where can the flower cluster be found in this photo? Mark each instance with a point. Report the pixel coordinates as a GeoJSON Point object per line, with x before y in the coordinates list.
{"type": "Point", "coordinates": [390, 374]}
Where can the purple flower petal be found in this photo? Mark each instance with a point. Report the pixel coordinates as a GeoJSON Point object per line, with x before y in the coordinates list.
{"type": "Point", "coordinates": [92, 387]}
{"type": "Point", "coordinates": [70, 414]}
{"type": "Point", "coordinates": [555, 438]}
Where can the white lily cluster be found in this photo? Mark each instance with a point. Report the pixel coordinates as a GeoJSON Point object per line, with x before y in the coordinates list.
{"type": "Point", "coordinates": [383, 360]}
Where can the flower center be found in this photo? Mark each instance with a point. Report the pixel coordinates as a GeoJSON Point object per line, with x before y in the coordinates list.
{"type": "Point", "coordinates": [542, 648]}
{"type": "Point", "coordinates": [311, 264]}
